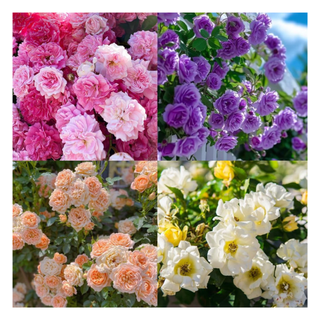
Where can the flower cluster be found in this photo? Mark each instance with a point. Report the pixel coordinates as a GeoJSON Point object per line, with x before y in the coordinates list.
{"type": "Point", "coordinates": [146, 178]}
{"type": "Point", "coordinates": [26, 229]}
{"type": "Point", "coordinates": [81, 194]}
{"type": "Point", "coordinates": [212, 89]}
{"type": "Point", "coordinates": [18, 295]}
{"type": "Point", "coordinates": [79, 92]}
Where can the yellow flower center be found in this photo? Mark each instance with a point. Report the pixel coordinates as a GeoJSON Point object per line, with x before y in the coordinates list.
{"type": "Point", "coordinates": [231, 247]}
{"type": "Point", "coordinates": [284, 286]}
{"type": "Point", "coordinates": [255, 273]}
{"type": "Point", "coordinates": [184, 268]}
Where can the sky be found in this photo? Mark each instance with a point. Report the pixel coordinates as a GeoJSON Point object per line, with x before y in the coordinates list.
{"type": "Point", "coordinates": [291, 28]}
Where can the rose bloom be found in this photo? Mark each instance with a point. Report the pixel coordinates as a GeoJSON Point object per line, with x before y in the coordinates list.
{"type": "Point", "coordinates": [99, 247]}
{"type": "Point", "coordinates": [67, 289]}
{"type": "Point", "coordinates": [139, 259]}
{"type": "Point", "coordinates": [22, 79]}
{"type": "Point", "coordinates": [49, 267]}
{"type": "Point", "coordinates": [89, 226]}
{"type": "Point", "coordinates": [17, 296]}
{"type": "Point", "coordinates": [44, 242]}
{"type": "Point", "coordinates": [141, 183]}
{"type": "Point", "coordinates": [21, 287]}
{"type": "Point", "coordinates": [59, 301]}
{"type": "Point", "coordinates": [46, 182]}
{"type": "Point", "coordinates": [46, 300]}
{"type": "Point", "coordinates": [145, 290]}
{"type": "Point", "coordinates": [66, 113]}
{"type": "Point", "coordinates": [102, 202]}
{"type": "Point", "coordinates": [42, 290]}
{"type": "Point", "coordinates": [117, 202]}
{"type": "Point", "coordinates": [60, 258]}
{"type": "Point", "coordinates": [79, 193]}
{"type": "Point", "coordinates": [126, 278]}
{"type": "Point", "coordinates": [31, 236]}
{"type": "Point", "coordinates": [73, 274]}
{"type": "Point", "coordinates": [94, 187]}
{"type": "Point", "coordinates": [112, 258]}
{"type": "Point", "coordinates": [59, 201]}
{"type": "Point", "coordinates": [52, 281]}
{"type": "Point", "coordinates": [113, 61]}
{"type": "Point", "coordinates": [97, 280]}
{"type": "Point", "coordinates": [149, 250]}
{"type": "Point", "coordinates": [17, 241]}
{"type": "Point", "coordinates": [65, 179]}
{"type": "Point", "coordinates": [50, 82]}
{"type": "Point", "coordinates": [121, 239]}
{"type": "Point", "coordinates": [125, 116]}
{"type": "Point", "coordinates": [38, 279]}
{"type": "Point", "coordinates": [81, 260]}
{"type": "Point", "coordinates": [96, 25]}
{"type": "Point", "coordinates": [86, 169]}
{"type": "Point", "coordinates": [121, 156]}
{"type": "Point", "coordinates": [16, 210]}
{"type": "Point", "coordinates": [63, 218]}
{"type": "Point", "coordinates": [79, 218]}
{"type": "Point", "coordinates": [127, 226]}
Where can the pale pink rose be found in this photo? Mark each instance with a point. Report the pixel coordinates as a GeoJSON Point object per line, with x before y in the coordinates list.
{"type": "Point", "coordinates": [113, 61]}
{"type": "Point", "coordinates": [20, 156]}
{"type": "Point", "coordinates": [20, 60]}
{"type": "Point", "coordinates": [17, 241]}
{"type": "Point", "coordinates": [66, 113]}
{"type": "Point", "coordinates": [59, 301]}
{"type": "Point", "coordinates": [121, 239]}
{"type": "Point", "coordinates": [59, 201]}
{"type": "Point", "coordinates": [49, 267]}
{"type": "Point", "coordinates": [123, 17]}
{"type": "Point", "coordinates": [97, 280]}
{"type": "Point", "coordinates": [31, 236]}
{"type": "Point", "coordinates": [79, 218]}
{"type": "Point", "coordinates": [88, 46]}
{"type": "Point", "coordinates": [99, 247]}
{"type": "Point", "coordinates": [16, 210]}
{"type": "Point", "coordinates": [42, 290]}
{"type": "Point", "coordinates": [17, 296]}
{"type": "Point", "coordinates": [52, 282]}
{"type": "Point", "coordinates": [146, 289]}
{"type": "Point", "coordinates": [125, 116]}
{"type": "Point", "coordinates": [139, 259]}
{"type": "Point", "coordinates": [126, 278]}
{"type": "Point", "coordinates": [67, 289]}
{"type": "Point", "coordinates": [79, 193]}
{"type": "Point", "coordinates": [78, 19]}
{"type": "Point", "coordinates": [73, 274]}
{"type": "Point", "coordinates": [22, 79]}
{"type": "Point", "coordinates": [50, 82]}
{"type": "Point", "coordinates": [85, 68]}
{"type": "Point", "coordinates": [96, 24]}
{"type": "Point", "coordinates": [19, 133]}
{"type": "Point", "coordinates": [83, 139]}
{"type": "Point", "coordinates": [120, 156]}
{"type": "Point", "coordinates": [144, 45]}
{"type": "Point", "coordinates": [46, 300]}
{"type": "Point", "coordinates": [21, 287]}
{"type": "Point", "coordinates": [112, 258]}
{"type": "Point", "coordinates": [127, 226]}
{"type": "Point", "coordinates": [65, 179]}
{"type": "Point", "coordinates": [94, 186]}
{"type": "Point", "coordinates": [151, 271]}
{"type": "Point", "coordinates": [81, 259]}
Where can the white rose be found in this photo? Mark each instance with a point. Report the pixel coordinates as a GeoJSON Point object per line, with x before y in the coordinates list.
{"type": "Point", "coordinates": [121, 156]}
{"type": "Point", "coordinates": [49, 267]}
{"type": "Point", "coordinates": [126, 226]}
{"type": "Point", "coordinates": [85, 68]}
{"type": "Point", "coordinates": [163, 247]}
{"type": "Point", "coordinates": [164, 207]}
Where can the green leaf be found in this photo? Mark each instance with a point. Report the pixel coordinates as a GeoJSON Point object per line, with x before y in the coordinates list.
{"type": "Point", "coordinates": [206, 101]}
{"type": "Point", "coordinates": [240, 173]}
{"type": "Point", "coordinates": [51, 221]}
{"type": "Point", "coordinates": [214, 43]}
{"type": "Point", "coordinates": [182, 25]}
{"type": "Point", "coordinates": [177, 193]}
{"type": "Point", "coordinates": [241, 299]}
{"type": "Point", "coordinates": [129, 299]}
{"type": "Point", "coordinates": [292, 185]}
{"type": "Point", "coordinates": [149, 22]}
{"type": "Point", "coordinates": [108, 304]}
{"type": "Point", "coordinates": [185, 296]}
{"type": "Point", "coordinates": [84, 288]}
{"type": "Point", "coordinates": [189, 17]}
{"type": "Point", "coordinates": [66, 248]}
{"type": "Point", "coordinates": [199, 44]}
{"type": "Point", "coordinates": [138, 222]}
{"type": "Point", "coordinates": [266, 168]}
{"type": "Point", "coordinates": [217, 278]}
{"type": "Point", "coordinates": [204, 33]}
{"type": "Point", "coordinates": [246, 185]}
{"type": "Point", "coordinates": [222, 38]}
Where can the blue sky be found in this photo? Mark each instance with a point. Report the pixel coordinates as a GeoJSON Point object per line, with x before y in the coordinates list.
{"type": "Point", "coordinates": [291, 28]}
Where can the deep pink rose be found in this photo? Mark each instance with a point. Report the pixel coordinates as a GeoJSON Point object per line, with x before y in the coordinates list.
{"type": "Point", "coordinates": [22, 80]}
{"type": "Point", "coordinates": [96, 24]}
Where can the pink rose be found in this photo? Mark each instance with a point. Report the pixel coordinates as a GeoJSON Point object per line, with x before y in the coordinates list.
{"type": "Point", "coordinates": [22, 80]}
{"type": "Point", "coordinates": [96, 25]}
{"type": "Point", "coordinates": [50, 82]}
{"type": "Point", "coordinates": [20, 60]}
{"type": "Point", "coordinates": [88, 46]}
{"type": "Point", "coordinates": [20, 156]}
{"type": "Point", "coordinates": [124, 115]}
{"type": "Point", "coordinates": [113, 61]}
{"type": "Point", "coordinates": [152, 129]}
{"type": "Point", "coordinates": [66, 113]}
{"type": "Point", "coordinates": [123, 17]}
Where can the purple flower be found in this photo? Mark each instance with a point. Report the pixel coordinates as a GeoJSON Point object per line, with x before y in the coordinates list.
{"type": "Point", "coordinates": [202, 134]}
{"type": "Point", "coordinates": [275, 69]}
{"type": "Point", "coordinates": [187, 146]}
{"type": "Point", "coordinates": [162, 75]}
{"type": "Point", "coordinates": [248, 85]}
{"type": "Point", "coordinates": [242, 46]}
{"type": "Point", "coordinates": [213, 81]}
{"type": "Point", "coordinates": [187, 69]}
{"type": "Point", "coordinates": [202, 22]}
{"type": "Point", "coordinates": [298, 144]}
{"type": "Point", "coordinates": [251, 123]}
{"type": "Point", "coordinates": [267, 102]}
{"type": "Point", "coordinates": [226, 143]}
{"type": "Point", "coordinates": [270, 137]}
{"type": "Point", "coordinates": [176, 115]}
{"type": "Point", "coordinates": [265, 19]}
{"type": "Point", "coordinates": [168, 150]}
{"type": "Point", "coordinates": [228, 102]}
{"type": "Point", "coordinates": [255, 142]}
{"type": "Point", "coordinates": [298, 125]}
{"type": "Point", "coordinates": [216, 120]}
{"type": "Point", "coordinates": [234, 26]}
{"type": "Point", "coordinates": [300, 103]}
{"type": "Point", "coordinates": [228, 50]}
{"type": "Point", "coordinates": [285, 119]}
{"type": "Point", "coordinates": [169, 37]}
{"type": "Point", "coordinates": [203, 68]}
{"type": "Point", "coordinates": [280, 52]}
{"type": "Point", "coordinates": [234, 121]}
{"type": "Point", "coordinates": [168, 17]}
{"type": "Point", "coordinates": [273, 41]}
{"type": "Point", "coordinates": [213, 133]}
{"type": "Point", "coordinates": [220, 71]}
{"type": "Point", "coordinates": [258, 32]}
{"type": "Point", "coordinates": [168, 59]}
{"type": "Point", "coordinates": [187, 94]}
{"type": "Point", "coordinates": [195, 121]}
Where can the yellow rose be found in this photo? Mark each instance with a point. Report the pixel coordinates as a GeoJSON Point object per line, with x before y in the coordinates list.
{"type": "Point", "coordinates": [289, 224]}
{"type": "Point", "coordinates": [304, 199]}
{"type": "Point", "coordinates": [174, 234]}
{"type": "Point", "coordinates": [224, 171]}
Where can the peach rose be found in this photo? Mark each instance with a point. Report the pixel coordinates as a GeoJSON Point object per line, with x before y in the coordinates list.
{"type": "Point", "coordinates": [65, 179]}
{"type": "Point", "coordinates": [17, 241]}
{"type": "Point", "coordinates": [141, 183]}
{"type": "Point", "coordinates": [151, 271]}
{"type": "Point", "coordinates": [52, 281]}
{"type": "Point", "coordinates": [42, 290]}
{"type": "Point", "coordinates": [138, 259]}
{"type": "Point", "coordinates": [38, 279]}
{"type": "Point", "coordinates": [152, 196]}
{"type": "Point", "coordinates": [145, 290]}
{"type": "Point", "coordinates": [81, 260]}
{"type": "Point", "coordinates": [31, 236]}
{"type": "Point", "coordinates": [63, 218]}
{"type": "Point", "coordinates": [47, 214]}
{"type": "Point", "coordinates": [150, 251]}
{"type": "Point", "coordinates": [79, 218]}
{"type": "Point", "coordinates": [118, 202]}
{"type": "Point", "coordinates": [97, 214]}
{"type": "Point", "coordinates": [94, 186]}
{"type": "Point", "coordinates": [86, 169]}
{"type": "Point", "coordinates": [112, 258]}
{"type": "Point", "coordinates": [99, 247]}
{"type": "Point", "coordinates": [49, 267]}
{"type": "Point", "coordinates": [154, 298]}
{"type": "Point", "coordinates": [101, 203]}
{"type": "Point", "coordinates": [46, 300]}
{"type": "Point", "coordinates": [73, 274]}
{"type": "Point", "coordinates": [129, 202]}
{"type": "Point", "coordinates": [97, 280]}
{"type": "Point", "coordinates": [44, 243]}
{"type": "Point", "coordinates": [59, 301]}
{"type": "Point", "coordinates": [79, 193]}
{"type": "Point", "coordinates": [16, 210]}
{"type": "Point", "coordinates": [30, 219]}
{"type": "Point", "coordinates": [89, 226]}
{"type": "Point", "coordinates": [59, 258]}
{"type": "Point", "coordinates": [126, 278]}
{"type": "Point", "coordinates": [17, 296]}
{"type": "Point", "coordinates": [140, 165]}
{"type": "Point", "coordinates": [121, 239]}
{"type": "Point", "coordinates": [67, 289]}
{"type": "Point", "coordinates": [127, 226]}
{"type": "Point", "coordinates": [153, 177]}
{"type": "Point", "coordinates": [59, 201]}
{"type": "Point", "coordinates": [21, 287]}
